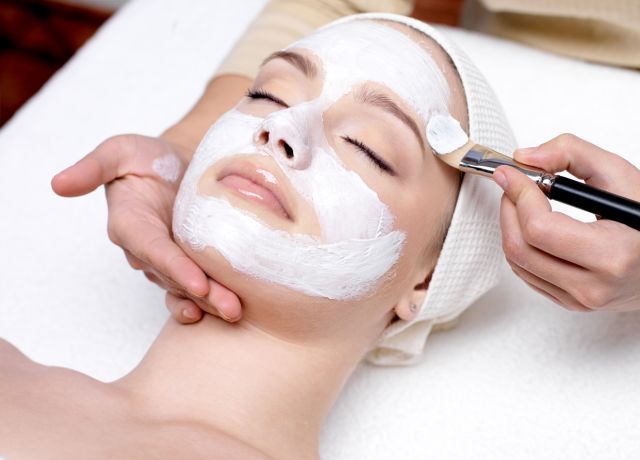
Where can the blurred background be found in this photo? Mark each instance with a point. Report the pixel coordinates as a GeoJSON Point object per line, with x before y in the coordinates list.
{"type": "Point", "coordinates": [37, 37]}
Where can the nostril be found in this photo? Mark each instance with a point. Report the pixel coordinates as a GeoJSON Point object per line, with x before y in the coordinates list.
{"type": "Point", "coordinates": [288, 151]}
{"type": "Point", "coordinates": [263, 138]}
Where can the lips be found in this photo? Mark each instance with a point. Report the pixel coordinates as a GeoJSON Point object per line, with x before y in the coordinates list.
{"type": "Point", "coordinates": [256, 184]}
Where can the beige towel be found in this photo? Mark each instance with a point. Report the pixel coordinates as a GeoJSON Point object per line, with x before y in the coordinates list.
{"type": "Point", "coordinates": [282, 22]}
{"type": "Point", "coordinates": [597, 30]}
{"type": "Point", "coordinates": [606, 31]}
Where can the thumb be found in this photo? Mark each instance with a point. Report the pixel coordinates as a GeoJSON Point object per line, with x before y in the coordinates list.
{"type": "Point", "coordinates": [596, 166]}
{"type": "Point", "coordinates": [111, 159]}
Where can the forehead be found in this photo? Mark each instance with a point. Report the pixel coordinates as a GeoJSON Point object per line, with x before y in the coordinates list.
{"type": "Point", "coordinates": [360, 51]}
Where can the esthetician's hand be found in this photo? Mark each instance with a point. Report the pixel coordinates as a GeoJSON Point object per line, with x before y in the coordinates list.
{"type": "Point", "coordinates": [141, 176]}
{"type": "Point", "coordinates": [580, 266]}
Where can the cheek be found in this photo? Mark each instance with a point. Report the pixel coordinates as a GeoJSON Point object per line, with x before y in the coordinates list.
{"type": "Point", "coordinates": [258, 296]}
{"type": "Point", "coordinates": [417, 214]}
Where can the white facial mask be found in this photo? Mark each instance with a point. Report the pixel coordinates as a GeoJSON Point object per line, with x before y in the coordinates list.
{"type": "Point", "coordinates": [360, 51]}
{"type": "Point", "coordinates": [357, 249]}
{"type": "Point", "coordinates": [358, 245]}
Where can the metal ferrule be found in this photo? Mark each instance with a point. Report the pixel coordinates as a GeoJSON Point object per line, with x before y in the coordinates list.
{"type": "Point", "coordinates": [484, 161]}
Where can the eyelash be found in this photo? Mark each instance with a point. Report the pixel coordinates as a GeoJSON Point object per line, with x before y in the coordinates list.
{"type": "Point", "coordinates": [262, 94]}
{"type": "Point", "coordinates": [371, 155]}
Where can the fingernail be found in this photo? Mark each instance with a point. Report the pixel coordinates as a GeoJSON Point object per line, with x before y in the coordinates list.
{"type": "Point", "coordinates": [501, 179]}
{"type": "Point", "coordinates": [190, 313]}
{"type": "Point", "coordinates": [223, 316]}
{"type": "Point", "coordinates": [528, 154]}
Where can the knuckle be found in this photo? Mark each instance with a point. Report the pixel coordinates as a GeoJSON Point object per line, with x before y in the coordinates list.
{"type": "Point", "coordinates": [620, 267]}
{"type": "Point", "coordinates": [573, 305]}
{"type": "Point", "coordinates": [565, 140]}
{"type": "Point", "coordinates": [534, 231]}
{"type": "Point", "coordinates": [592, 297]}
{"type": "Point", "coordinates": [122, 142]}
{"type": "Point", "coordinates": [112, 232]}
{"type": "Point", "coordinates": [513, 248]}
{"type": "Point", "coordinates": [134, 262]}
{"type": "Point", "coordinates": [153, 278]}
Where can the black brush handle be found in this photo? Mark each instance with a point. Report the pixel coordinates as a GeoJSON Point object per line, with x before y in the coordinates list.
{"type": "Point", "coordinates": [604, 204]}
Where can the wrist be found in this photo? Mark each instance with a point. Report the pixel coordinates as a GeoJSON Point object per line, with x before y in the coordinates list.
{"type": "Point", "coordinates": [180, 139]}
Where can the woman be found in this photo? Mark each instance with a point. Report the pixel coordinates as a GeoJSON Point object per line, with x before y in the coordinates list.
{"type": "Point", "coordinates": [334, 216]}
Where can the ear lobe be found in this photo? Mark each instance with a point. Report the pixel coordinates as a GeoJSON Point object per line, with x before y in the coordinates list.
{"type": "Point", "coordinates": [409, 305]}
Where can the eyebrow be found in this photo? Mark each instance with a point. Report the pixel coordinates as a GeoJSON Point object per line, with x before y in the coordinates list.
{"type": "Point", "coordinates": [370, 96]}
{"type": "Point", "coordinates": [302, 63]}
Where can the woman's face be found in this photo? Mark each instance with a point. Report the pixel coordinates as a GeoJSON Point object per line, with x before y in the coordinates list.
{"type": "Point", "coordinates": [319, 188]}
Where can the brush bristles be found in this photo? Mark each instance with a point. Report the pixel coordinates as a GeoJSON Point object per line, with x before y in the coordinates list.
{"type": "Point", "coordinates": [453, 158]}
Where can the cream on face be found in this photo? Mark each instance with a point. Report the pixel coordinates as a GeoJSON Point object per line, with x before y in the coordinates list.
{"type": "Point", "coordinates": [445, 134]}
{"type": "Point", "coordinates": [358, 245]}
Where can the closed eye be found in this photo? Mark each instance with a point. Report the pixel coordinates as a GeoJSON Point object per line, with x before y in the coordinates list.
{"type": "Point", "coordinates": [371, 155]}
{"type": "Point", "coordinates": [262, 94]}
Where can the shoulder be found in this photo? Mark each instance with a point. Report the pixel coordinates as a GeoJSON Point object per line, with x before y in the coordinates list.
{"type": "Point", "coordinates": [190, 440]}
{"type": "Point", "coordinates": [37, 399]}
{"type": "Point", "coordinates": [10, 355]}
{"type": "Point", "coordinates": [14, 366]}
{"type": "Point", "coordinates": [20, 375]}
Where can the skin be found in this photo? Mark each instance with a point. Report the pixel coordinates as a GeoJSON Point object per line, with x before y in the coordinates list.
{"type": "Point", "coordinates": [148, 245]}
{"type": "Point", "coordinates": [262, 386]}
{"type": "Point", "coordinates": [142, 226]}
{"type": "Point", "coordinates": [592, 266]}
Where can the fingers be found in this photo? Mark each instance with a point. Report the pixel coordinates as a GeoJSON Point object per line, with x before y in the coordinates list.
{"type": "Point", "coordinates": [226, 305]}
{"type": "Point", "coordinates": [552, 292]}
{"type": "Point", "coordinates": [182, 310]}
{"type": "Point", "coordinates": [552, 232]}
{"type": "Point", "coordinates": [226, 302]}
{"type": "Point", "coordinates": [584, 160]}
{"type": "Point", "coordinates": [219, 300]}
{"type": "Point", "coordinates": [519, 252]}
{"type": "Point", "coordinates": [114, 158]}
{"type": "Point", "coordinates": [111, 159]}
{"type": "Point", "coordinates": [152, 244]}
{"type": "Point", "coordinates": [135, 263]}
{"type": "Point", "coordinates": [171, 261]}
{"type": "Point", "coordinates": [174, 271]}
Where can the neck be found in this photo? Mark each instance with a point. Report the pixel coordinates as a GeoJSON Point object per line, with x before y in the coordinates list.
{"type": "Point", "coordinates": [270, 393]}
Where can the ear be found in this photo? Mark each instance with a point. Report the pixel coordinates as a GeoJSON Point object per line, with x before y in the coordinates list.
{"type": "Point", "coordinates": [410, 304]}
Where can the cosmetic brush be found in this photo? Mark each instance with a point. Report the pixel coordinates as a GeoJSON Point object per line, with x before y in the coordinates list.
{"type": "Point", "coordinates": [451, 145]}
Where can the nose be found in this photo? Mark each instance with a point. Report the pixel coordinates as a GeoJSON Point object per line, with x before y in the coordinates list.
{"type": "Point", "coordinates": [284, 138]}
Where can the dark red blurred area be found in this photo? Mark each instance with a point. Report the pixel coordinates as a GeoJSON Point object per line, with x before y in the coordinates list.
{"type": "Point", "coordinates": [36, 38]}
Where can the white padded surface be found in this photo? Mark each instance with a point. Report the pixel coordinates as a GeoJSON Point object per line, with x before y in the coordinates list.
{"type": "Point", "coordinates": [519, 377]}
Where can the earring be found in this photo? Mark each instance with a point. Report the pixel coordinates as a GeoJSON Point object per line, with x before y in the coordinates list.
{"type": "Point", "coordinates": [413, 307]}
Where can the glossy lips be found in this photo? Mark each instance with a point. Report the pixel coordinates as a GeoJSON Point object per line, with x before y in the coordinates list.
{"type": "Point", "coordinates": [256, 184]}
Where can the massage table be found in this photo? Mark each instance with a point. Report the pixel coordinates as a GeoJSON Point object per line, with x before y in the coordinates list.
{"type": "Point", "coordinates": [518, 378]}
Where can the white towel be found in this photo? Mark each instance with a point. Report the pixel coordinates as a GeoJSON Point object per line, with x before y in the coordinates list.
{"type": "Point", "coordinates": [518, 378]}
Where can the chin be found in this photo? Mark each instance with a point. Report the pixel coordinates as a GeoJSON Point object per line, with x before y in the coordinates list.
{"type": "Point", "coordinates": [253, 291]}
